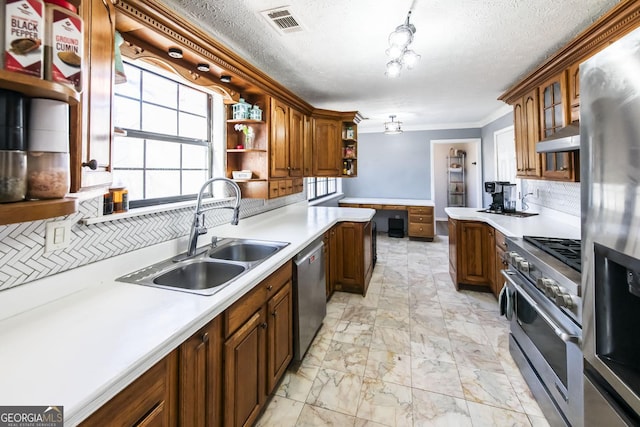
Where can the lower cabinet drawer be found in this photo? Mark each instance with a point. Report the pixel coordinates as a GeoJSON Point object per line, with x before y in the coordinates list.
{"type": "Point", "coordinates": [421, 210]}
{"type": "Point", "coordinates": [423, 219]}
{"type": "Point", "coordinates": [421, 230]}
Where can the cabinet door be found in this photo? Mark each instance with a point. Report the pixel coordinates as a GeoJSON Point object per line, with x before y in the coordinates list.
{"type": "Point", "coordinates": [490, 260]}
{"type": "Point", "coordinates": [149, 400]}
{"type": "Point", "coordinates": [532, 131]}
{"type": "Point", "coordinates": [473, 268]}
{"type": "Point", "coordinates": [574, 92]}
{"type": "Point", "coordinates": [296, 142]}
{"type": "Point", "coordinates": [200, 377]}
{"type": "Point", "coordinates": [349, 268]}
{"type": "Point", "coordinates": [554, 114]}
{"type": "Point", "coordinates": [245, 372]}
{"type": "Point", "coordinates": [307, 150]}
{"type": "Point", "coordinates": [453, 251]}
{"type": "Point", "coordinates": [96, 121]}
{"type": "Point", "coordinates": [279, 142]}
{"type": "Point", "coordinates": [520, 127]}
{"type": "Point", "coordinates": [280, 335]}
{"type": "Point", "coordinates": [326, 154]}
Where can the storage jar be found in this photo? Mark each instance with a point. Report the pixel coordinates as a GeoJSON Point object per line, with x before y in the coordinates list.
{"type": "Point", "coordinates": [13, 143]}
{"type": "Point", "coordinates": [48, 150]}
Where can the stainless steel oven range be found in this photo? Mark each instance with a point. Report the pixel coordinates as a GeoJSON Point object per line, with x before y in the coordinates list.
{"type": "Point", "coordinates": [545, 312]}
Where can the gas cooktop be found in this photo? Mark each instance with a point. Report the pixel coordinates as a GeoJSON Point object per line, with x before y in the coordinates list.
{"type": "Point", "coordinates": [566, 250]}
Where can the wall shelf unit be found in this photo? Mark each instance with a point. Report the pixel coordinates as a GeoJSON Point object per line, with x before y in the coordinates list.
{"type": "Point", "coordinates": [349, 149]}
{"type": "Point", "coordinates": [456, 196]}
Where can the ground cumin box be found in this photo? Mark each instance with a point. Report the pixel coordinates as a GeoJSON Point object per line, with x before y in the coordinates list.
{"type": "Point", "coordinates": [24, 31]}
{"type": "Point", "coordinates": [63, 43]}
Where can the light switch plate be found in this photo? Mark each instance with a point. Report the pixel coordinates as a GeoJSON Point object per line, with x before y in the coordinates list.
{"type": "Point", "coordinates": [57, 235]}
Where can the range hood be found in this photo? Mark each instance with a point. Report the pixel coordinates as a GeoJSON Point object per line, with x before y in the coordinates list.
{"type": "Point", "coordinates": [565, 139]}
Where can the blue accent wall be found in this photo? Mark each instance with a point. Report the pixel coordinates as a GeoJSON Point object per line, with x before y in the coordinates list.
{"type": "Point", "coordinates": [398, 166]}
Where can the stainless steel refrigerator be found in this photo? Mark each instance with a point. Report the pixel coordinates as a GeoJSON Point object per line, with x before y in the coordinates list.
{"type": "Point", "coordinates": [610, 192]}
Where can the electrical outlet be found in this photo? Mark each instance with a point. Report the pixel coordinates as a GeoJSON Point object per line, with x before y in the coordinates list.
{"type": "Point", "coordinates": [57, 235]}
{"type": "Point", "coordinates": [537, 193]}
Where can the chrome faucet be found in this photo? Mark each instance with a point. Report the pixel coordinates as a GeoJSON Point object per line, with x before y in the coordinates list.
{"type": "Point", "coordinates": [525, 206]}
{"type": "Point", "coordinates": [198, 227]}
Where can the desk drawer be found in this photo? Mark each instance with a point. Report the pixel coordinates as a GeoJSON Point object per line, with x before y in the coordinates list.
{"type": "Point", "coordinates": [393, 207]}
{"type": "Point", "coordinates": [422, 219]}
{"type": "Point", "coordinates": [350, 205]}
{"type": "Point", "coordinates": [421, 230]}
{"type": "Point", "coordinates": [421, 210]}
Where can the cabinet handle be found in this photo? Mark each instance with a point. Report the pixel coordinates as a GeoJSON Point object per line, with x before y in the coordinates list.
{"type": "Point", "coordinates": [269, 287]}
{"type": "Point", "coordinates": [275, 313]}
{"type": "Point", "coordinates": [205, 337]}
{"type": "Point", "coordinates": [263, 325]}
{"type": "Point", "coordinates": [92, 164]}
{"type": "Point", "coordinates": [420, 218]}
{"type": "Point", "coordinates": [563, 168]}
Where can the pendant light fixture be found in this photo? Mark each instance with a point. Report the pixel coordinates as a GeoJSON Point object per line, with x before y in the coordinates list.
{"type": "Point", "coordinates": [392, 127]}
{"type": "Point", "coordinates": [398, 51]}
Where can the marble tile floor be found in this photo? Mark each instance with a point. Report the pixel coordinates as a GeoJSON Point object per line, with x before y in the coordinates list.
{"type": "Point", "coordinates": [414, 352]}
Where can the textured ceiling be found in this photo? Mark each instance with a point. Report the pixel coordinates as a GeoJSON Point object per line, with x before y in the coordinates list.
{"type": "Point", "coordinates": [472, 51]}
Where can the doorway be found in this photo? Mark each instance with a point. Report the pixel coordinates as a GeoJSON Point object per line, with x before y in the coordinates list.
{"type": "Point", "coordinates": [439, 173]}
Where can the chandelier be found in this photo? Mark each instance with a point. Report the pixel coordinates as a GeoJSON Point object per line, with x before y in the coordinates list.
{"type": "Point", "coordinates": [399, 52]}
{"type": "Point", "coordinates": [392, 127]}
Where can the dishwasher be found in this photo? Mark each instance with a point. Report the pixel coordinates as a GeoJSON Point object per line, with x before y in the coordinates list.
{"type": "Point", "coordinates": [309, 296]}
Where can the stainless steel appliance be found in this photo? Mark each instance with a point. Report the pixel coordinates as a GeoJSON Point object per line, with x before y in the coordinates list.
{"type": "Point", "coordinates": [610, 190]}
{"type": "Point", "coordinates": [543, 288]}
{"type": "Point", "coordinates": [495, 189]}
{"type": "Point", "coordinates": [310, 298]}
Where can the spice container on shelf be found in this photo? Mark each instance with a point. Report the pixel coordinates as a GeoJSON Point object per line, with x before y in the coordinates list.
{"type": "Point", "coordinates": [48, 150]}
{"type": "Point", "coordinates": [120, 198]}
{"type": "Point", "coordinates": [63, 43]}
{"type": "Point", "coordinates": [24, 31]}
{"type": "Point", "coordinates": [13, 145]}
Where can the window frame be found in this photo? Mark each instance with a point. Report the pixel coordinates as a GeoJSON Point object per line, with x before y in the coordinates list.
{"type": "Point", "coordinates": [181, 140]}
{"type": "Point", "coordinates": [314, 182]}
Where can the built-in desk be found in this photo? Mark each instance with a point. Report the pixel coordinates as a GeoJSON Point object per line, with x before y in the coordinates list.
{"type": "Point", "coordinates": [420, 212]}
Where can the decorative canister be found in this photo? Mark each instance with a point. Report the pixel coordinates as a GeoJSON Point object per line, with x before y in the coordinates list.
{"type": "Point", "coordinates": [48, 150]}
{"type": "Point", "coordinates": [241, 110]}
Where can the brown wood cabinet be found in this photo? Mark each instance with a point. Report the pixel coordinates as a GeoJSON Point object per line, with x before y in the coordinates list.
{"type": "Point", "coordinates": [200, 383]}
{"type": "Point", "coordinates": [279, 141]}
{"type": "Point", "coordinates": [421, 222]}
{"type": "Point", "coordinates": [93, 124]}
{"type": "Point", "coordinates": [151, 400]}
{"type": "Point", "coordinates": [349, 149]}
{"type": "Point", "coordinates": [554, 114]}
{"type": "Point", "coordinates": [526, 124]}
{"type": "Point", "coordinates": [499, 262]}
{"type": "Point", "coordinates": [258, 347]}
{"type": "Point", "coordinates": [471, 251]}
{"type": "Point", "coordinates": [352, 259]}
{"type": "Point", "coordinates": [326, 150]}
{"type": "Point", "coordinates": [573, 74]}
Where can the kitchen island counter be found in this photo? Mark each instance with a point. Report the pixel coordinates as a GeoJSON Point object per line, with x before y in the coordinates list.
{"type": "Point", "coordinates": [78, 338]}
{"type": "Point", "coordinates": [548, 223]}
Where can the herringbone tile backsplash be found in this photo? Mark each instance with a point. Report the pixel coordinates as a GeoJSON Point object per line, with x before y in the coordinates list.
{"type": "Point", "coordinates": [22, 246]}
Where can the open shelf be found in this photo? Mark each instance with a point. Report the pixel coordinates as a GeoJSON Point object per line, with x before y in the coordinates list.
{"type": "Point", "coordinates": [34, 87]}
{"type": "Point", "coordinates": [32, 210]}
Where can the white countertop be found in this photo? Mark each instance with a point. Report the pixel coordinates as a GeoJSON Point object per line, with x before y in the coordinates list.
{"type": "Point", "coordinates": [548, 223]}
{"type": "Point", "coordinates": [384, 201]}
{"type": "Point", "coordinates": [78, 338]}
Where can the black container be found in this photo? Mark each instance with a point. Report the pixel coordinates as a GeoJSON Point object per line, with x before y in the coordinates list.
{"type": "Point", "coordinates": [13, 144]}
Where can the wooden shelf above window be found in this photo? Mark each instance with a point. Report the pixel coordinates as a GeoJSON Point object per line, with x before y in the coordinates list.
{"type": "Point", "coordinates": [11, 213]}
{"type": "Point", "coordinates": [34, 87]}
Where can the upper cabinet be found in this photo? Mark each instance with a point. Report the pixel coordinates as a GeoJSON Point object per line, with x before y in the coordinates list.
{"type": "Point", "coordinates": [333, 145]}
{"type": "Point", "coordinates": [549, 97]}
{"type": "Point", "coordinates": [526, 125]}
{"type": "Point", "coordinates": [91, 159]}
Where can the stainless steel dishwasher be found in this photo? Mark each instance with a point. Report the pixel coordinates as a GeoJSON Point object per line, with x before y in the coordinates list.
{"type": "Point", "coordinates": [309, 296]}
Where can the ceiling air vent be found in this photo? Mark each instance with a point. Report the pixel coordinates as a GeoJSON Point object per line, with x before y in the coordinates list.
{"type": "Point", "coordinates": [282, 19]}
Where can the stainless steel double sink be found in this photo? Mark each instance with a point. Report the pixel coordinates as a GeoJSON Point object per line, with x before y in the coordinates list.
{"type": "Point", "coordinates": [210, 270]}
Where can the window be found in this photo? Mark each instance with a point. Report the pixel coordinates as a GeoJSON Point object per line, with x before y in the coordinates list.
{"type": "Point", "coordinates": [165, 155]}
{"type": "Point", "coordinates": [320, 187]}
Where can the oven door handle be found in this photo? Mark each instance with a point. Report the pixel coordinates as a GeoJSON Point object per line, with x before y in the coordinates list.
{"type": "Point", "coordinates": [560, 332]}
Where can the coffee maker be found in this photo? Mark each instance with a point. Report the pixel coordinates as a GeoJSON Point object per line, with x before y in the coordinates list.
{"type": "Point", "coordinates": [502, 194]}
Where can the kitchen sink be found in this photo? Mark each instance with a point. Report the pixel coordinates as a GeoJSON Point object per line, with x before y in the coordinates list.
{"type": "Point", "coordinates": [210, 270]}
{"type": "Point", "coordinates": [250, 251]}
{"type": "Point", "coordinates": [200, 274]}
